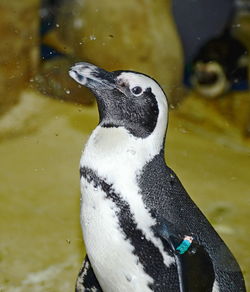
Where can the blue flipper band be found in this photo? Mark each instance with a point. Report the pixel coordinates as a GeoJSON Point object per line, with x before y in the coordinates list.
{"type": "Point", "coordinates": [184, 246]}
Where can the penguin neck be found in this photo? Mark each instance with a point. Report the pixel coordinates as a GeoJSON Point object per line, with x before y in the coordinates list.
{"type": "Point", "coordinates": [111, 149]}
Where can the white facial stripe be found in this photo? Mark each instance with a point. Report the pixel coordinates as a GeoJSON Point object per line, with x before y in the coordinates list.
{"type": "Point", "coordinates": [214, 67]}
{"type": "Point", "coordinates": [144, 82]}
{"type": "Point", "coordinates": [213, 91]}
{"type": "Point", "coordinates": [219, 87]}
{"type": "Point", "coordinates": [134, 80]}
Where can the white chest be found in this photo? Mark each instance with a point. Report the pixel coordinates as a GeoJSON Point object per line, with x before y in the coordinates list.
{"type": "Point", "coordinates": [111, 255]}
{"type": "Point", "coordinates": [116, 159]}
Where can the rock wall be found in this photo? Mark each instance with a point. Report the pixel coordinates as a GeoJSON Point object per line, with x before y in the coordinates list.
{"type": "Point", "coordinates": [134, 35]}
{"type": "Point", "coordinates": [18, 49]}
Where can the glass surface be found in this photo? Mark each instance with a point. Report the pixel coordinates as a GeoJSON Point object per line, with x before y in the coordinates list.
{"type": "Point", "coordinates": [46, 118]}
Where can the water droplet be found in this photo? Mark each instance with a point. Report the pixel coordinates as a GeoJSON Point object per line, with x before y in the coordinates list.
{"type": "Point", "coordinates": [183, 130]}
{"type": "Point", "coordinates": [128, 277]}
{"type": "Point", "coordinates": [78, 23]}
{"type": "Point", "coordinates": [92, 37]}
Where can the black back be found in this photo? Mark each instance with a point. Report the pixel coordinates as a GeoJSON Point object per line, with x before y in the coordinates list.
{"type": "Point", "coordinates": [168, 201]}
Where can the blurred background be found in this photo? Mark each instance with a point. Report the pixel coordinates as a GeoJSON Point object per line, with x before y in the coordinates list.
{"type": "Point", "coordinates": [199, 53]}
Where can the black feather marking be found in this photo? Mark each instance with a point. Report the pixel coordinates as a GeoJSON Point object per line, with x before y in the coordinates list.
{"type": "Point", "coordinates": [149, 256]}
{"type": "Point", "coordinates": [86, 280]}
{"type": "Point", "coordinates": [164, 195]}
{"type": "Point", "coordinates": [136, 114]}
{"type": "Point", "coordinates": [194, 263]}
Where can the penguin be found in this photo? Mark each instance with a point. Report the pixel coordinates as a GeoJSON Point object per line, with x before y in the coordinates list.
{"type": "Point", "coordinates": [141, 229]}
{"type": "Point", "coordinates": [220, 65]}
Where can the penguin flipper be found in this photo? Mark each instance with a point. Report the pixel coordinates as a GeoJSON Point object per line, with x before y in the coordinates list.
{"type": "Point", "coordinates": [194, 265]}
{"type": "Point", "coordinates": [86, 280]}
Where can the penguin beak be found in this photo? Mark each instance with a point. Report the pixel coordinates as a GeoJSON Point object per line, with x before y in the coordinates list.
{"type": "Point", "coordinates": [92, 76]}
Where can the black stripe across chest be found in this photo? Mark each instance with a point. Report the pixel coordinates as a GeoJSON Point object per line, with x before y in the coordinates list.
{"type": "Point", "coordinates": [148, 255]}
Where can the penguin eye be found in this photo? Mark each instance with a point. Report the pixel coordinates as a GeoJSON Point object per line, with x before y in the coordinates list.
{"type": "Point", "coordinates": [137, 90]}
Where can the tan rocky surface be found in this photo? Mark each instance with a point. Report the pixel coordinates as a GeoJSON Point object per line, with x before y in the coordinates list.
{"type": "Point", "coordinates": [129, 35]}
{"type": "Point", "coordinates": [18, 49]}
{"type": "Point", "coordinates": [41, 244]}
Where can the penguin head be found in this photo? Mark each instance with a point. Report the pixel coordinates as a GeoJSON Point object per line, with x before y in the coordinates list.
{"type": "Point", "coordinates": [209, 79]}
{"type": "Point", "coordinates": [125, 99]}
